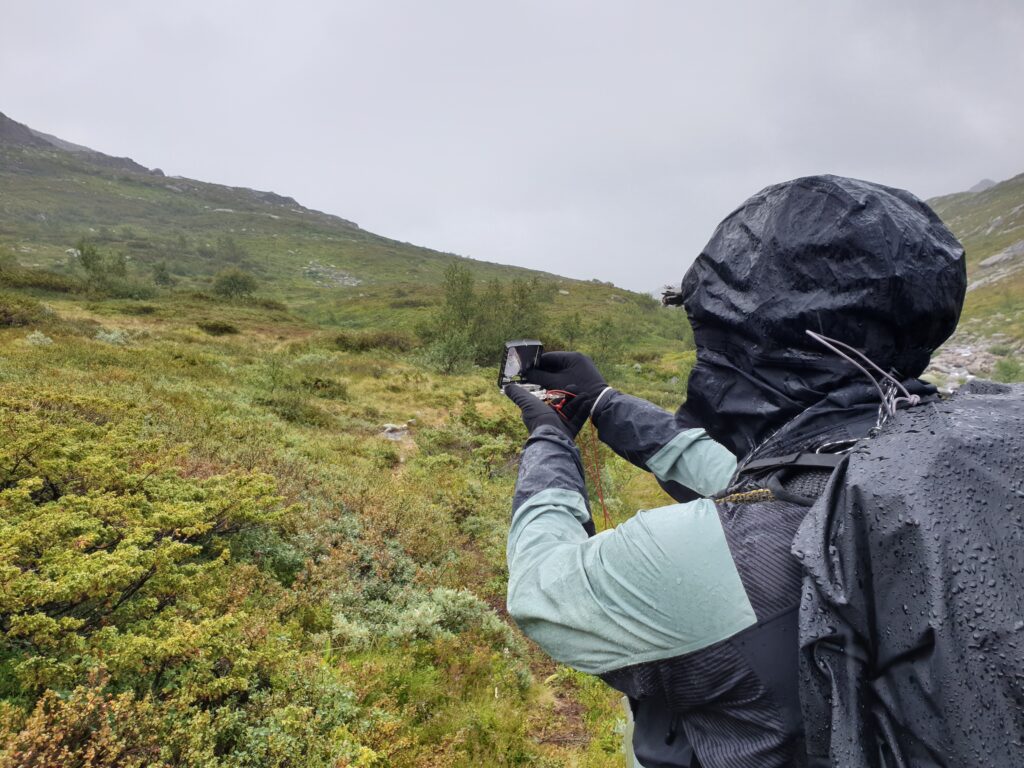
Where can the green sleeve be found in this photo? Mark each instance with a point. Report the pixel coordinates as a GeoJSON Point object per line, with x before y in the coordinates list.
{"type": "Point", "coordinates": [695, 461]}
{"type": "Point", "coordinates": [659, 585]}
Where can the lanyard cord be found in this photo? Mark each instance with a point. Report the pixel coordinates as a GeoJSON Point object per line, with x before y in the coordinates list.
{"type": "Point", "coordinates": [891, 399]}
{"type": "Point", "coordinates": [595, 451]}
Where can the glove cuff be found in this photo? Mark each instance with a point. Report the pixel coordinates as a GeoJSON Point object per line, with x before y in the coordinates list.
{"type": "Point", "coordinates": [595, 408]}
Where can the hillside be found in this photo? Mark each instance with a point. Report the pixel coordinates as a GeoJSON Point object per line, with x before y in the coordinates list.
{"type": "Point", "coordinates": [268, 529]}
{"type": "Point", "coordinates": [990, 224]}
{"type": "Point", "coordinates": [328, 269]}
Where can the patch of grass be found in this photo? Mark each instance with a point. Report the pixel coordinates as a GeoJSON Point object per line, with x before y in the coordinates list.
{"type": "Point", "coordinates": [39, 279]}
{"type": "Point", "coordinates": [1008, 370]}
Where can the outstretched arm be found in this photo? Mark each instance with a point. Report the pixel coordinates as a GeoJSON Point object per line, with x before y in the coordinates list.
{"type": "Point", "coordinates": [686, 462]}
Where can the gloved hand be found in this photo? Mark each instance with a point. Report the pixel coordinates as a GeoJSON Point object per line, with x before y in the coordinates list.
{"type": "Point", "coordinates": [570, 372]}
{"type": "Point", "coordinates": [535, 411]}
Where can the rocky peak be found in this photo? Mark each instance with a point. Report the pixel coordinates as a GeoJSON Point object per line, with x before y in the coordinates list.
{"type": "Point", "coordinates": [13, 132]}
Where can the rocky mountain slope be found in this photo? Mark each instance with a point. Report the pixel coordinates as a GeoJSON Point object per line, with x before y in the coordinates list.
{"type": "Point", "coordinates": [989, 220]}
{"type": "Point", "coordinates": [53, 193]}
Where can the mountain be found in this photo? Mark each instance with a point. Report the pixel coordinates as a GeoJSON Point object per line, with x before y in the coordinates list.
{"type": "Point", "coordinates": [989, 221]}
{"type": "Point", "coordinates": [990, 224]}
{"type": "Point", "coordinates": [327, 268]}
{"type": "Point", "coordinates": [981, 186]}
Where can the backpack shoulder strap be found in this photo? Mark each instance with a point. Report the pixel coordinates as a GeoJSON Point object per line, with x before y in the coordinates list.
{"type": "Point", "coordinates": [791, 461]}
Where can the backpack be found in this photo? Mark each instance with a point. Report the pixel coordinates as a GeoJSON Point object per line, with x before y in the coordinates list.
{"type": "Point", "coordinates": [912, 613]}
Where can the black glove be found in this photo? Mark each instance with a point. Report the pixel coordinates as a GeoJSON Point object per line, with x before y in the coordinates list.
{"type": "Point", "coordinates": [535, 411]}
{"type": "Point", "coordinates": [570, 372]}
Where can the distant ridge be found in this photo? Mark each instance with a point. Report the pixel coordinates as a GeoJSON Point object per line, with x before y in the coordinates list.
{"type": "Point", "coordinates": [981, 186]}
{"type": "Point", "coordinates": [13, 132]}
{"type": "Point", "coordinates": [18, 134]}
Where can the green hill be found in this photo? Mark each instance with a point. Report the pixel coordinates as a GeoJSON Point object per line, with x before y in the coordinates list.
{"type": "Point", "coordinates": [327, 269]}
{"type": "Point", "coordinates": [990, 338]}
{"type": "Point", "coordinates": [266, 529]}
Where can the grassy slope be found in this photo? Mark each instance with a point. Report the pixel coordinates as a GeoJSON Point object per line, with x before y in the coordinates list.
{"type": "Point", "coordinates": [49, 199]}
{"type": "Point", "coordinates": [245, 401]}
{"type": "Point", "coordinates": [987, 223]}
{"type": "Point", "coordinates": [436, 501]}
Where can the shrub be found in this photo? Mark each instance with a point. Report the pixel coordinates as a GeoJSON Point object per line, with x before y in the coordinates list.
{"type": "Point", "coordinates": [233, 283]}
{"type": "Point", "coordinates": [330, 389]}
{"type": "Point", "coordinates": [17, 311]}
{"type": "Point", "coordinates": [451, 352]}
{"type": "Point", "coordinates": [472, 326]}
{"type": "Point", "coordinates": [447, 612]}
{"type": "Point", "coordinates": [364, 341]}
{"type": "Point", "coordinates": [117, 337]}
{"type": "Point", "coordinates": [162, 275]}
{"type": "Point", "coordinates": [89, 728]}
{"type": "Point", "coordinates": [103, 543]}
{"type": "Point", "coordinates": [217, 327]}
{"type": "Point", "coordinates": [38, 339]}
{"type": "Point", "coordinates": [294, 408]}
{"type": "Point", "coordinates": [153, 600]}
{"type": "Point", "coordinates": [22, 277]}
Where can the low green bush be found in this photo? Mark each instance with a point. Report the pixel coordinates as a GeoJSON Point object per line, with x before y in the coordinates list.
{"type": "Point", "coordinates": [364, 341]}
{"type": "Point", "coordinates": [327, 388]}
{"type": "Point", "coordinates": [17, 311]}
{"type": "Point", "coordinates": [145, 617]}
{"type": "Point", "coordinates": [294, 408]}
{"type": "Point", "coordinates": [41, 279]}
{"type": "Point", "coordinates": [217, 327]}
{"type": "Point", "coordinates": [233, 283]}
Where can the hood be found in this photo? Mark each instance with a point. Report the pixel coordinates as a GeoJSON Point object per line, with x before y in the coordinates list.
{"type": "Point", "coordinates": [869, 265]}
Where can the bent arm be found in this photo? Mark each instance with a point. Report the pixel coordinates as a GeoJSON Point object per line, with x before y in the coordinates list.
{"type": "Point", "coordinates": [679, 453]}
{"type": "Point", "coordinates": [660, 585]}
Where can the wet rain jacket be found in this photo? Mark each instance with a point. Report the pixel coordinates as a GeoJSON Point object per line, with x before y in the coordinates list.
{"type": "Point", "coordinates": [912, 636]}
{"type": "Point", "coordinates": [692, 609]}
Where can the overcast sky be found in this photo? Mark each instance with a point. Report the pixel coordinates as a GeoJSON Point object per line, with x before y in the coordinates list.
{"type": "Point", "coordinates": [593, 139]}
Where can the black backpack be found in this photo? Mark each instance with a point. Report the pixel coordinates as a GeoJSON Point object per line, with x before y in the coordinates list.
{"type": "Point", "coordinates": [912, 615]}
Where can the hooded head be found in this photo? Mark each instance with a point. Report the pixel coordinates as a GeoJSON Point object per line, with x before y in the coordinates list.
{"type": "Point", "coordinates": [868, 265]}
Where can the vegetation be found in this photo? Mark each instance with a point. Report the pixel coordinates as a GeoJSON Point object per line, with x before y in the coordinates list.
{"type": "Point", "coordinates": [233, 283]}
{"type": "Point", "coordinates": [211, 555]}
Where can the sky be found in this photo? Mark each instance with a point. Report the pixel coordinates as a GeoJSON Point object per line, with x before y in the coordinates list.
{"type": "Point", "coordinates": [591, 139]}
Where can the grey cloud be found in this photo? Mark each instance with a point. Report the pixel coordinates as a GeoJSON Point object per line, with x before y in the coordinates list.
{"type": "Point", "coordinates": [595, 139]}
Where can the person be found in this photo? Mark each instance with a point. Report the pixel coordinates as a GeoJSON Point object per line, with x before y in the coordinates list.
{"type": "Point", "coordinates": [691, 609]}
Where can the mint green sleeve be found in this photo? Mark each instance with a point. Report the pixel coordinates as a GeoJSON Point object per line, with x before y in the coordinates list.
{"type": "Point", "coordinates": [673, 446]}
{"type": "Point", "coordinates": [661, 584]}
{"type": "Point", "coordinates": [694, 460]}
